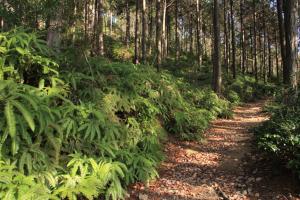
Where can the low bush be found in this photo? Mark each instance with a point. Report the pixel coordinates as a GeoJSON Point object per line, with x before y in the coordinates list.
{"type": "Point", "coordinates": [90, 130]}
{"type": "Point", "coordinates": [245, 89]}
{"type": "Point", "coordinates": [279, 136]}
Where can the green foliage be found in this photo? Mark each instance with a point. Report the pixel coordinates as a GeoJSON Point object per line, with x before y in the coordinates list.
{"type": "Point", "coordinates": [116, 50]}
{"type": "Point", "coordinates": [89, 131]}
{"type": "Point", "coordinates": [279, 136]}
{"type": "Point", "coordinates": [24, 57]}
{"type": "Point", "coordinates": [245, 88]}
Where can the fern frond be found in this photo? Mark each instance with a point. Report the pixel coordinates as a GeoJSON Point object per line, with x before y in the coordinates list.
{"type": "Point", "coordinates": [25, 113]}
{"type": "Point", "coordinates": [10, 119]}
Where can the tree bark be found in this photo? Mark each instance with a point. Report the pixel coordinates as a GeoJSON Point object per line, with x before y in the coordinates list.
{"type": "Point", "coordinates": [164, 25]}
{"type": "Point", "coordinates": [226, 38]}
{"type": "Point", "coordinates": [199, 44]}
{"type": "Point", "coordinates": [254, 41]}
{"type": "Point", "coordinates": [270, 75]}
{"type": "Point", "coordinates": [54, 30]}
{"type": "Point", "coordinates": [177, 45]}
{"type": "Point", "coordinates": [144, 31]}
{"type": "Point", "coordinates": [291, 38]}
{"type": "Point", "coordinates": [158, 34]}
{"type": "Point", "coordinates": [276, 57]}
{"type": "Point", "coordinates": [136, 33]}
{"type": "Point", "coordinates": [217, 77]}
{"type": "Point", "coordinates": [233, 64]}
{"type": "Point", "coordinates": [282, 39]}
{"type": "Point", "coordinates": [243, 50]}
{"type": "Point", "coordinates": [150, 17]}
{"type": "Point", "coordinates": [101, 22]}
{"type": "Point", "coordinates": [127, 36]}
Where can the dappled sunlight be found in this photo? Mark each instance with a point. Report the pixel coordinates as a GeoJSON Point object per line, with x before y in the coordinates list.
{"type": "Point", "coordinates": [194, 169]}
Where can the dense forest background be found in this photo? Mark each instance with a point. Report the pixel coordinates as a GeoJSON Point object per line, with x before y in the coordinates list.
{"type": "Point", "coordinates": [90, 89]}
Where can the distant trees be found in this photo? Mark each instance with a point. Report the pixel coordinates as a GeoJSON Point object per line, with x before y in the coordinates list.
{"type": "Point", "coordinates": [256, 37]}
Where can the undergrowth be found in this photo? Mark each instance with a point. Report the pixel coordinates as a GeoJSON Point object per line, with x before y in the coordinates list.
{"type": "Point", "coordinates": [279, 136]}
{"type": "Point", "coordinates": [90, 130]}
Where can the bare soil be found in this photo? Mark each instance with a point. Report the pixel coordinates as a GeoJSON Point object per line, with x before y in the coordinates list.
{"type": "Point", "coordinates": [226, 165]}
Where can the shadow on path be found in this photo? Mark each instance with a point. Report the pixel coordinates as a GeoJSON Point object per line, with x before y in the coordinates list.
{"type": "Point", "coordinates": [225, 164]}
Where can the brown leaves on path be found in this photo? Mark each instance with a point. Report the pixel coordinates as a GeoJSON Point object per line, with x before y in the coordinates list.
{"type": "Point", "coordinates": [224, 166]}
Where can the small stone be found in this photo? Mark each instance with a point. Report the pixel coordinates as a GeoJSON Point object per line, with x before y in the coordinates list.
{"type": "Point", "coordinates": [143, 197]}
{"type": "Point", "coordinates": [256, 195]}
{"type": "Point", "coordinates": [245, 192]}
{"type": "Point", "coordinates": [258, 179]}
{"type": "Point", "coordinates": [251, 179]}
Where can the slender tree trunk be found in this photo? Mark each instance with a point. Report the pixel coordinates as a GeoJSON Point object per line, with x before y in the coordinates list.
{"type": "Point", "coordinates": [86, 5]}
{"type": "Point", "coordinates": [243, 50]}
{"type": "Point", "coordinates": [158, 34]}
{"type": "Point", "coordinates": [233, 64]}
{"type": "Point", "coordinates": [226, 38]}
{"type": "Point", "coordinates": [127, 37]}
{"type": "Point", "coordinates": [270, 59]}
{"type": "Point", "coordinates": [164, 25]}
{"type": "Point", "coordinates": [217, 77]}
{"type": "Point", "coordinates": [100, 27]}
{"type": "Point", "coordinates": [95, 34]}
{"type": "Point", "coordinates": [282, 40]}
{"type": "Point", "coordinates": [291, 38]}
{"type": "Point", "coordinates": [254, 41]}
{"type": "Point", "coordinates": [199, 49]}
{"type": "Point", "coordinates": [177, 45]}
{"type": "Point", "coordinates": [169, 34]}
{"type": "Point", "coordinates": [54, 30]}
{"type": "Point", "coordinates": [136, 33]}
{"type": "Point", "coordinates": [276, 57]}
{"type": "Point", "coordinates": [264, 43]}
{"type": "Point", "coordinates": [191, 30]}
{"type": "Point", "coordinates": [150, 40]}
{"type": "Point", "coordinates": [144, 31]}
{"type": "Point", "coordinates": [110, 22]}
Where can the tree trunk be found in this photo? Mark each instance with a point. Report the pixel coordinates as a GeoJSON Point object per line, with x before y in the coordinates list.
{"type": "Point", "coordinates": [144, 31]}
{"type": "Point", "coordinates": [270, 75]}
{"type": "Point", "coordinates": [198, 36]}
{"type": "Point", "coordinates": [254, 41]}
{"type": "Point", "coordinates": [276, 57]}
{"type": "Point", "coordinates": [177, 45]}
{"type": "Point", "coordinates": [86, 6]}
{"type": "Point", "coordinates": [226, 38]}
{"type": "Point", "coordinates": [281, 39]}
{"type": "Point", "coordinates": [233, 64]}
{"type": "Point", "coordinates": [136, 33]}
{"type": "Point", "coordinates": [158, 34]}
{"type": "Point", "coordinates": [151, 24]}
{"type": "Point", "coordinates": [217, 77]}
{"type": "Point", "coordinates": [243, 51]}
{"type": "Point", "coordinates": [291, 38]}
{"type": "Point", "coordinates": [127, 37]}
{"type": "Point", "coordinates": [100, 27]}
{"type": "Point", "coordinates": [164, 21]}
{"type": "Point", "coordinates": [191, 29]}
{"type": "Point", "coordinates": [264, 43]}
{"type": "Point", "coordinates": [54, 30]}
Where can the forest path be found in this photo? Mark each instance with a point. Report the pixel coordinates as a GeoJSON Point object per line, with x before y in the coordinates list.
{"type": "Point", "coordinates": [224, 166]}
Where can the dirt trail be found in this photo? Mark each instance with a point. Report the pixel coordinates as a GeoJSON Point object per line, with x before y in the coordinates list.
{"type": "Point", "coordinates": [224, 166]}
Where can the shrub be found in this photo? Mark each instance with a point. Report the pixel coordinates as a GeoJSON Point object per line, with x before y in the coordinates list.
{"type": "Point", "coordinates": [245, 88]}
{"type": "Point", "coordinates": [88, 132]}
{"type": "Point", "coordinates": [279, 136]}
